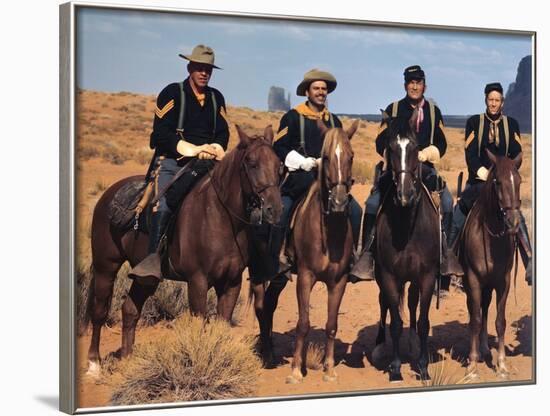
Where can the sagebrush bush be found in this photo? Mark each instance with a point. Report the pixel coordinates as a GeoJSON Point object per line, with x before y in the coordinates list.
{"type": "Point", "coordinates": [195, 361]}
{"type": "Point", "coordinates": [315, 355]}
{"type": "Point", "coordinates": [446, 372]}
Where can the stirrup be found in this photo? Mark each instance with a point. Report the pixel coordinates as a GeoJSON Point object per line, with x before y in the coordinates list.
{"type": "Point", "coordinates": [363, 270]}
{"type": "Point", "coordinates": [450, 265]}
{"type": "Point", "coordinates": [148, 271]}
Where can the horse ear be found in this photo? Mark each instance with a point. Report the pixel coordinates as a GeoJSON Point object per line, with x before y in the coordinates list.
{"type": "Point", "coordinates": [491, 156]}
{"type": "Point", "coordinates": [268, 134]}
{"type": "Point", "coordinates": [322, 128]}
{"type": "Point", "coordinates": [243, 138]}
{"type": "Point", "coordinates": [351, 131]}
{"type": "Point", "coordinates": [517, 160]}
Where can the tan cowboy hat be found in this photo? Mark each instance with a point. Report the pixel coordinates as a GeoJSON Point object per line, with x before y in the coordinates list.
{"type": "Point", "coordinates": [316, 75]}
{"type": "Point", "coordinates": [202, 54]}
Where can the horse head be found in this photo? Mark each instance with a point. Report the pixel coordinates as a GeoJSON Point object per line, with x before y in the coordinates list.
{"type": "Point", "coordinates": [260, 174]}
{"type": "Point", "coordinates": [402, 155]}
{"type": "Point", "coordinates": [335, 167]}
{"type": "Point", "coordinates": [505, 180]}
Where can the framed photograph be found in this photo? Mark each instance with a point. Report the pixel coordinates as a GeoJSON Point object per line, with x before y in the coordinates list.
{"type": "Point", "coordinates": [265, 207]}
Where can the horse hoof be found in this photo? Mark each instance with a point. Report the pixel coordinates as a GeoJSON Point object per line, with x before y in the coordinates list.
{"type": "Point", "coordinates": [329, 378]}
{"type": "Point", "coordinates": [293, 380]}
{"type": "Point", "coordinates": [94, 369]}
{"type": "Point", "coordinates": [503, 373]}
{"type": "Point", "coordinates": [396, 378]}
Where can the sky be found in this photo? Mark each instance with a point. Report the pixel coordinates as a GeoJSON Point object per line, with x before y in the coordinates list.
{"type": "Point", "coordinates": [137, 51]}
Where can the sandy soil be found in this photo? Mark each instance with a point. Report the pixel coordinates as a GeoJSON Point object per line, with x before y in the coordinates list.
{"type": "Point", "coordinates": [358, 318]}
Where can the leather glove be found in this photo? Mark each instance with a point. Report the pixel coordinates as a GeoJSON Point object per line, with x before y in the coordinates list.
{"type": "Point", "coordinates": [308, 164]}
{"type": "Point", "coordinates": [482, 173]}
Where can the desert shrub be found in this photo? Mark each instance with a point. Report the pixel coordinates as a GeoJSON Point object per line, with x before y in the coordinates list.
{"type": "Point", "coordinates": [446, 372]}
{"type": "Point", "coordinates": [143, 156]}
{"type": "Point", "coordinates": [98, 187]}
{"type": "Point", "coordinates": [315, 355]}
{"type": "Point", "coordinates": [195, 361]}
{"type": "Point", "coordinates": [87, 152]}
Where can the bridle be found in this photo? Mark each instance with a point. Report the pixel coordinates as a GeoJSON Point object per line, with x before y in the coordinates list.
{"type": "Point", "coordinates": [502, 210]}
{"type": "Point", "coordinates": [254, 201]}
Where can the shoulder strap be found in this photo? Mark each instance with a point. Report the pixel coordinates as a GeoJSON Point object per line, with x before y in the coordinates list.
{"type": "Point", "coordinates": [182, 108]}
{"type": "Point", "coordinates": [480, 133]}
{"type": "Point", "coordinates": [302, 134]}
{"type": "Point", "coordinates": [215, 107]}
{"type": "Point", "coordinates": [394, 107]}
{"type": "Point", "coordinates": [331, 118]}
{"type": "Point", "coordinates": [432, 120]}
{"type": "Point", "coordinates": [506, 133]}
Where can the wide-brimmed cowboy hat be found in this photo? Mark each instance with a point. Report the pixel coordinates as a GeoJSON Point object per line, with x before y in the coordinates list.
{"type": "Point", "coordinates": [202, 54]}
{"type": "Point", "coordinates": [316, 75]}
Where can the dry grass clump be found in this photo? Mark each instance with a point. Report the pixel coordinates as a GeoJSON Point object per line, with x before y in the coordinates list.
{"type": "Point", "coordinates": [196, 361]}
{"type": "Point", "coordinates": [446, 372]}
{"type": "Point", "coordinates": [363, 172]}
{"type": "Point", "coordinates": [315, 355]}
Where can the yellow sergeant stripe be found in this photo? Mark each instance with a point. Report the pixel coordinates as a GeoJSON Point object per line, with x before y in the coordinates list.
{"type": "Point", "coordinates": [282, 133]}
{"type": "Point", "coordinates": [469, 140]}
{"type": "Point", "coordinates": [517, 137]}
{"type": "Point", "coordinates": [167, 107]}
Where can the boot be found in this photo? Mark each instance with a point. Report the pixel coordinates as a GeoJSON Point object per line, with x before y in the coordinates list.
{"type": "Point", "coordinates": [148, 271]}
{"type": "Point", "coordinates": [525, 250]}
{"type": "Point", "coordinates": [363, 269]}
{"type": "Point", "coordinates": [449, 263]}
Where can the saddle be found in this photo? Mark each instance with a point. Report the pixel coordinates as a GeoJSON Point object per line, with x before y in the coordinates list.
{"type": "Point", "coordinates": [129, 203]}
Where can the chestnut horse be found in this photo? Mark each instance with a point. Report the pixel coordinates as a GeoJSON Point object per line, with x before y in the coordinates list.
{"type": "Point", "coordinates": [209, 246]}
{"type": "Point", "coordinates": [486, 252]}
{"type": "Point", "coordinates": [406, 248]}
{"type": "Point", "coordinates": [322, 242]}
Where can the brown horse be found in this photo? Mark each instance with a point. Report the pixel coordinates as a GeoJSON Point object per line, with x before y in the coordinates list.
{"type": "Point", "coordinates": [406, 247]}
{"type": "Point", "coordinates": [322, 242]}
{"type": "Point", "coordinates": [486, 251]}
{"type": "Point", "coordinates": [209, 245]}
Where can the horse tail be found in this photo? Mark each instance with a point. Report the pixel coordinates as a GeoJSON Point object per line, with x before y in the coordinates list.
{"type": "Point", "coordinates": [89, 301]}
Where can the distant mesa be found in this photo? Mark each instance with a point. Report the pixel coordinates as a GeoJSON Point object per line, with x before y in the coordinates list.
{"type": "Point", "coordinates": [276, 100]}
{"type": "Point", "coordinates": [517, 103]}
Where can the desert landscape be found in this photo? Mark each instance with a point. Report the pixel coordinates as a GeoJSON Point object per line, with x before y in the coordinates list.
{"type": "Point", "coordinates": [113, 142]}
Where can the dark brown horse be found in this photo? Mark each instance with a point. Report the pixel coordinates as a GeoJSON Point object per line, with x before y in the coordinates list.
{"type": "Point", "coordinates": [407, 246]}
{"type": "Point", "coordinates": [209, 245]}
{"type": "Point", "coordinates": [322, 242]}
{"type": "Point", "coordinates": [486, 252]}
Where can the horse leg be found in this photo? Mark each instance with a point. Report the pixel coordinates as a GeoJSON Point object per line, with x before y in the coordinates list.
{"type": "Point", "coordinates": [265, 303]}
{"type": "Point", "coordinates": [413, 337]}
{"type": "Point", "coordinates": [484, 349]}
{"type": "Point", "coordinates": [393, 297]}
{"type": "Point", "coordinates": [426, 293]}
{"type": "Point", "coordinates": [197, 294]}
{"type": "Point", "coordinates": [378, 352]}
{"type": "Point", "coordinates": [335, 294]}
{"type": "Point", "coordinates": [502, 296]}
{"type": "Point", "coordinates": [303, 292]}
{"type": "Point", "coordinates": [266, 348]}
{"type": "Point", "coordinates": [99, 304]}
{"type": "Point", "coordinates": [227, 293]}
{"type": "Point", "coordinates": [474, 309]}
{"type": "Point", "coordinates": [131, 311]}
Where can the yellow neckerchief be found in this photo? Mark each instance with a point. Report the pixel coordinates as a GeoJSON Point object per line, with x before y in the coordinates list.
{"type": "Point", "coordinates": [201, 98]}
{"type": "Point", "coordinates": [307, 112]}
{"type": "Point", "coordinates": [493, 128]}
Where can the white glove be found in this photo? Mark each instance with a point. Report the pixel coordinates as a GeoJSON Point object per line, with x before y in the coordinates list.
{"type": "Point", "coordinates": [482, 173]}
{"type": "Point", "coordinates": [294, 160]}
{"type": "Point", "coordinates": [429, 154]}
{"type": "Point", "coordinates": [308, 164]}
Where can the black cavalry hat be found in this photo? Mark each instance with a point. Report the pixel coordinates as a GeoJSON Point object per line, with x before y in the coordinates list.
{"type": "Point", "coordinates": [413, 72]}
{"type": "Point", "coordinates": [493, 86]}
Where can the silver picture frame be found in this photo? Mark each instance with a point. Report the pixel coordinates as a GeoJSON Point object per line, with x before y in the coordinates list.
{"type": "Point", "coordinates": [68, 218]}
